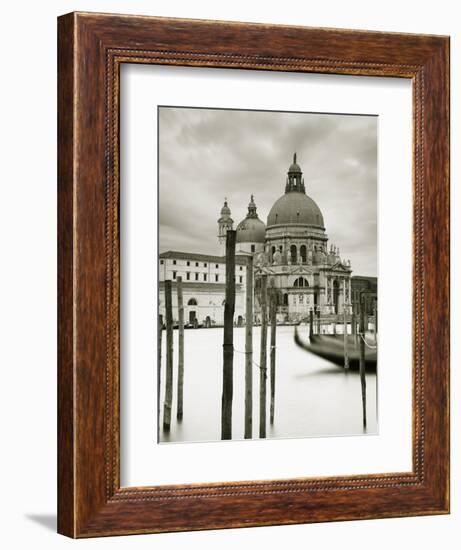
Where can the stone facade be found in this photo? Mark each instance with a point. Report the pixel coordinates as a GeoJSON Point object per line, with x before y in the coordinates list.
{"type": "Point", "coordinates": [203, 280]}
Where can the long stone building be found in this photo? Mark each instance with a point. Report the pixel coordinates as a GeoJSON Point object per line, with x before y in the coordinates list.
{"type": "Point", "coordinates": [292, 250]}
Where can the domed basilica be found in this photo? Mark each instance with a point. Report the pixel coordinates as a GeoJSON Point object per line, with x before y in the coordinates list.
{"type": "Point", "coordinates": [292, 250]}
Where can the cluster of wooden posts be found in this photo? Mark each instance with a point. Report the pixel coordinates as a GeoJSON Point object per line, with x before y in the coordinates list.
{"type": "Point", "coordinates": [268, 296]}
{"type": "Point", "coordinates": [167, 405]}
{"type": "Point", "coordinates": [268, 303]}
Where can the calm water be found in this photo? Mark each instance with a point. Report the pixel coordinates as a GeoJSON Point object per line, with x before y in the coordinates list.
{"type": "Point", "coordinates": [313, 397]}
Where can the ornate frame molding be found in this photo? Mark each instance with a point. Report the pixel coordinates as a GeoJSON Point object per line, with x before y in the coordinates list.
{"type": "Point", "coordinates": [91, 50]}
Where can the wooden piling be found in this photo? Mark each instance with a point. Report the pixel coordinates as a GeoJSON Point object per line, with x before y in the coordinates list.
{"type": "Point", "coordinates": [318, 320]}
{"type": "Point", "coordinates": [179, 411]}
{"type": "Point", "coordinates": [159, 365]}
{"type": "Point", "coordinates": [249, 350]}
{"type": "Point", "coordinates": [228, 344]}
{"type": "Point", "coordinates": [273, 321]}
{"type": "Point", "coordinates": [362, 362]}
{"type": "Point", "coordinates": [263, 359]}
{"type": "Point", "coordinates": [169, 358]}
{"type": "Point", "coordinates": [375, 320]}
{"type": "Point", "coordinates": [346, 355]}
{"type": "Point", "coordinates": [311, 324]}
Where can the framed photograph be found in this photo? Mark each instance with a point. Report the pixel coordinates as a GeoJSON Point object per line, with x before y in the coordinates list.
{"type": "Point", "coordinates": [253, 275]}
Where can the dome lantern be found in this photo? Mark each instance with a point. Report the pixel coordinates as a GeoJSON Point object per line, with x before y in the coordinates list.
{"type": "Point", "coordinates": [295, 181]}
{"type": "Point", "coordinates": [252, 208]}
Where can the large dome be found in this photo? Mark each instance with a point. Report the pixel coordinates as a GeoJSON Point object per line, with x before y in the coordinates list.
{"type": "Point", "coordinates": [296, 208]}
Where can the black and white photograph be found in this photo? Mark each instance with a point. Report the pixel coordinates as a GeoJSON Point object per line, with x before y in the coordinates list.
{"type": "Point", "coordinates": [267, 274]}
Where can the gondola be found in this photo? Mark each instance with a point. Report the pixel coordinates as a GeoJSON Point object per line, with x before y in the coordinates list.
{"type": "Point", "coordinates": [331, 348]}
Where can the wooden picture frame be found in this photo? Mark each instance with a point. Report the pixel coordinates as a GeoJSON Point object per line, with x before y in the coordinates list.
{"type": "Point", "coordinates": [92, 48]}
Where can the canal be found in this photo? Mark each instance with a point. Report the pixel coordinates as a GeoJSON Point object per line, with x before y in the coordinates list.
{"type": "Point", "coordinates": [313, 397]}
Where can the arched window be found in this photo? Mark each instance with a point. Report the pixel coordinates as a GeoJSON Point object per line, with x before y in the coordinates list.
{"type": "Point", "coordinates": [293, 253]}
{"type": "Point", "coordinates": [301, 282]}
{"type": "Point", "coordinates": [303, 253]}
{"type": "Point", "coordinates": [285, 299]}
{"type": "Point", "coordinates": [192, 302]}
{"type": "Point", "coordinates": [273, 252]}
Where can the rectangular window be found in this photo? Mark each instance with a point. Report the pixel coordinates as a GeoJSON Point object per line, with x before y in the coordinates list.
{"type": "Point", "coordinates": [196, 264]}
{"type": "Point", "coordinates": [204, 276]}
{"type": "Point", "coordinates": [252, 248]}
{"type": "Point", "coordinates": [205, 265]}
{"type": "Point", "coordinates": [216, 278]}
{"type": "Point", "coordinates": [161, 262]}
{"type": "Point", "coordinates": [188, 276]}
{"type": "Point", "coordinates": [174, 262]}
{"type": "Point", "coordinates": [241, 279]}
{"type": "Point", "coordinates": [217, 266]}
{"type": "Point", "coordinates": [241, 268]}
{"type": "Point", "coordinates": [196, 276]}
{"type": "Point", "coordinates": [174, 274]}
{"type": "Point", "coordinates": [188, 263]}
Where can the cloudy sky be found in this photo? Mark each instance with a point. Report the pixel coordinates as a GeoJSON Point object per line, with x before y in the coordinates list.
{"type": "Point", "coordinates": [208, 154]}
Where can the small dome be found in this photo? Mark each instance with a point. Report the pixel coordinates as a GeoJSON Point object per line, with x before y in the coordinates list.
{"type": "Point", "coordinates": [294, 168]}
{"type": "Point", "coordinates": [225, 210]}
{"type": "Point", "coordinates": [251, 230]}
{"type": "Point", "coordinates": [225, 214]}
{"type": "Point", "coordinates": [297, 208]}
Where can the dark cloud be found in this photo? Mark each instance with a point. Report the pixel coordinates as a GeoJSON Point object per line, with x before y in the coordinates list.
{"type": "Point", "coordinates": [208, 154]}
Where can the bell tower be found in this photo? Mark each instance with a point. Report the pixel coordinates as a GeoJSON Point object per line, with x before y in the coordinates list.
{"type": "Point", "coordinates": [225, 223]}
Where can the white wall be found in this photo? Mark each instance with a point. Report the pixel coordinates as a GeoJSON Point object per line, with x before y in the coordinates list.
{"type": "Point", "coordinates": [28, 289]}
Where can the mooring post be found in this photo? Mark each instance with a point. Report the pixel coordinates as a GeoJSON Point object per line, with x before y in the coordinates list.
{"type": "Point", "coordinates": [169, 357]}
{"type": "Point", "coordinates": [273, 319]}
{"type": "Point", "coordinates": [228, 344]}
{"type": "Point", "coordinates": [311, 324]}
{"type": "Point", "coordinates": [179, 412]}
{"type": "Point", "coordinates": [263, 359]}
{"type": "Point", "coordinates": [375, 318]}
{"type": "Point", "coordinates": [362, 361]}
{"type": "Point", "coordinates": [318, 320]}
{"type": "Point", "coordinates": [249, 350]}
{"type": "Point", "coordinates": [159, 366]}
{"type": "Point", "coordinates": [346, 355]}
